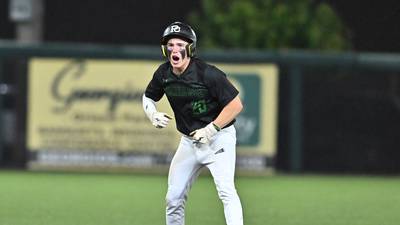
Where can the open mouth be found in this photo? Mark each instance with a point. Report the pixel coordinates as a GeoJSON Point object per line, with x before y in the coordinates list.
{"type": "Point", "coordinates": [175, 58]}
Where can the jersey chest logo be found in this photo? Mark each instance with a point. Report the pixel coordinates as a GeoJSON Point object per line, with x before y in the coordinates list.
{"type": "Point", "coordinates": [175, 89]}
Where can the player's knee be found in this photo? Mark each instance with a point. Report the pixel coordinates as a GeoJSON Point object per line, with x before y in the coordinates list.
{"type": "Point", "coordinates": [174, 205]}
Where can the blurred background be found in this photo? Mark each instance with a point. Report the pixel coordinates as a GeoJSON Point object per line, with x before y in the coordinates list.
{"type": "Point", "coordinates": [335, 106]}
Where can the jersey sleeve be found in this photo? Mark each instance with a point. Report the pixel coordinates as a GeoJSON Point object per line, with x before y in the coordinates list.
{"type": "Point", "coordinates": [155, 89]}
{"type": "Point", "coordinates": [219, 86]}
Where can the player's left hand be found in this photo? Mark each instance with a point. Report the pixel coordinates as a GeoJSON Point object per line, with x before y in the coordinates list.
{"type": "Point", "coordinates": [204, 134]}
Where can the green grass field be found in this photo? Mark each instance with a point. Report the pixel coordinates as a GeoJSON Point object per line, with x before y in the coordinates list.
{"type": "Point", "coordinates": [33, 198]}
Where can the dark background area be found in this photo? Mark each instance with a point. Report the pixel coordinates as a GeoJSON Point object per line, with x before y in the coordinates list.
{"type": "Point", "coordinates": [371, 25]}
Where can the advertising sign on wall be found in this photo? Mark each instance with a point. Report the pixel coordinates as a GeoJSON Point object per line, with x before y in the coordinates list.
{"type": "Point", "coordinates": [89, 113]}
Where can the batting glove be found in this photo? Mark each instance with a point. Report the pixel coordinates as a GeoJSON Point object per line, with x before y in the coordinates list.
{"type": "Point", "coordinates": [205, 134]}
{"type": "Point", "coordinates": [160, 120]}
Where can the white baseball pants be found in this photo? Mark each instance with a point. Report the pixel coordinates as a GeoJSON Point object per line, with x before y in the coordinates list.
{"type": "Point", "coordinates": [219, 156]}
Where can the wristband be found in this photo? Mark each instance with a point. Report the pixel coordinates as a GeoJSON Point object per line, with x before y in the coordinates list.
{"type": "Point", "coordinates": [216, 127]}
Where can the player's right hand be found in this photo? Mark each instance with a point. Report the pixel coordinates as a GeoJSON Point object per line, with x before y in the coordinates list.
{"type": "Point", "coordinates": [160, 119]}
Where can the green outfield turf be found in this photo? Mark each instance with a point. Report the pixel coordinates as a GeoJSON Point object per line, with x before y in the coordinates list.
{"type": "Point", "coordinates": [32, 198]}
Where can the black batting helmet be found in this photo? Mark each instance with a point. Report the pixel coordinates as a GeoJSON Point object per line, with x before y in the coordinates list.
{"type": "Point", "coordinates": [179, 30]}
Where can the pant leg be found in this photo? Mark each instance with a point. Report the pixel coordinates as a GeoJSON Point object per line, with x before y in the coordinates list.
{"type": "Point", "coordinates": [184, 170]}
{"type": "Point", "coordinates": [223, 172]}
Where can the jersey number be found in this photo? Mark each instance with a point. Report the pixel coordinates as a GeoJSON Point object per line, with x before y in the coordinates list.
{"type": "Point", "coordinates": [199, 107]}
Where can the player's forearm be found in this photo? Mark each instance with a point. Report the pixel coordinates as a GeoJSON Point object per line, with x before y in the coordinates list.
{"type": "Point", "coordinates": [149, 106]}
{"type": "Point", "coordinates": [229, 112]}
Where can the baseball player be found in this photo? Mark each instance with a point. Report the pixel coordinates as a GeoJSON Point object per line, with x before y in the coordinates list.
{"type": "Point", "coordinates": [205, 105]}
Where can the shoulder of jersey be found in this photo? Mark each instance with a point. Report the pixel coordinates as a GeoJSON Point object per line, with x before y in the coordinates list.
{"type": "Point", "coordinates": [200, 63]}
{"type": "Point", "coordinates": [163, 66]}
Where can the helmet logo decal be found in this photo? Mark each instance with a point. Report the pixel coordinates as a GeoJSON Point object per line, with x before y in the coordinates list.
{"type": "Point", "coordinates": [175, 28]}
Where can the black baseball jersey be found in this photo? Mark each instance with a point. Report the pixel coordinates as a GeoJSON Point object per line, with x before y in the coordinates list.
{"type": "Point", "coordinates": [197, 96]}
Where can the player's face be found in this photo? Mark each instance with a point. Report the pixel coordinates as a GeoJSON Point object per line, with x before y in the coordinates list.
{"type": "Point", "coordinates": [177, 54]}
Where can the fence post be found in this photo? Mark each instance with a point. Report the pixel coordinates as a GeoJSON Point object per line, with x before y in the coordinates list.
{"type": "Point", "coordinates": [295, 119]}
{"type": "Point", "coordinates": [1, 114]}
